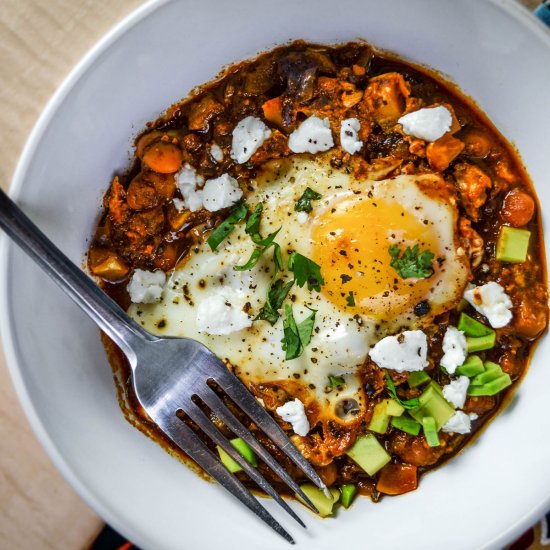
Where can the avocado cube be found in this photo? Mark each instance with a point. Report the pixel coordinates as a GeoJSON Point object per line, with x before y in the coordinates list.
{"type": "Point", "coordinates": [369, 454]}
{"type": "Point", "coordinates": [512, 244]}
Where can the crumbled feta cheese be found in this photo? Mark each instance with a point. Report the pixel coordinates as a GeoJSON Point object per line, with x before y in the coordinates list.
{"type": "Point", "coordinates": [178, 204]}
{"type": "Point", "coordinates": [459, 423]}
{"type": "Point", "coordinates": [473, 416]}
{"type": "Point", "coordinates": [221, 193]}
{"type": "Point", "coordinates": [312, 136]}
{"type": "Point", "coordinates": [454, 349]}
{"type": "Point", "coordinates": [216, 152]}
{"type": "Point", "coordinates": [428, 124]}
{"type": "Point", "coordinates": [405, 352]}
{"type": "Point", "coordinates": [187, 181]}
{"type": "Point", "coordinates": [348, 135]}
{"type": "Point", "coordinates": [455, 392]}
{"type": "Point", "coordinates": [220, 314]}
{"type": "Point", "coordinates": [491, 300]}
{"type": "Point", "coordinates": [294, 412]}
{"type": "Point", "coordinates": [248, 137]}
{"type": "Point", "coordinates": [145, 287]}
{"type": "Point", "coordinates": [302, 217]}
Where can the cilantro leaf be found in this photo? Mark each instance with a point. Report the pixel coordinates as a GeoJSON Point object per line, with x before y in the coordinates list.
{"type": "Point", "coordinates": [412, 263]}
{"type": "Point", "coordinates": [258, 252]}
{"type": "Point", "coordinates": [276, 295]}
{"type": "Point", "coordinates": [409, 403]}
{"type": "Point", "coordinates": [305, 270]}
{"type": "Point", "coordinates": [237, 214]}
{"type": "Point", "coordinates": [335, 381]}
{"type": "Point", "coordinates": [296, 335]}
{"type": "Point", "coordinates": [350, 300]}
{"type": "Point", "coordinates": [253, 223]}
{"type": "Point", "coordinates": [303, 204]}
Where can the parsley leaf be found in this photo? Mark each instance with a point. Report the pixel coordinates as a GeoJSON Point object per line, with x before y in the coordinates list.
{"type": "Point", "coordinates": [304, 202]}
{"type": "Point", "coordinates": [253, 229]}
{"type": "Point", "coordinates": [335, 381]}
{"type": "Point", "coordinates": [412, 263]}
{"type": "Point", "coordinates": [237, 214]}
{"type": "Point", "coordinates": [305, 270]}
{"type": "Point", "coordinates": [350, 300]}
{"type": "Point", "coordinates": [276, 295]}
{"type": "Point", "coordinates": [409, 403]}
{"type": "Point", "coordinates": [296, 335]}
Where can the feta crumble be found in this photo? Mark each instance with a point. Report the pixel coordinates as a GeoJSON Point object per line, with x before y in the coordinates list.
{"type": "Point", "coordinates": [220, 314]}
{"type": "Point", "coordinates": [179, 205]}
{"type": "Point", "coordinates": [145, 287]}
{"type": "Point", "coordinates": [294, 412]}
{"type": "Point", "coordinates": [491, 300]}
{"type": "Point", "coordinates": [459, 423]}
{"type": "Point", "coordinates": [312, 136]}
{"type": "Point", "coordinates": [455, 392]}
{"type": "Point", "coordinates": [454, 349]}
{"type": "Point", "coordinates": [405, 352]}
{"type": "Point", "coordinates": [187, 181]}
{"type": "Point", "coordinates": [221, 193]}
{"type": "Point", "coordinates": [216, 152]}
{"type": "Point", "coordinates": [348, 135]}
{"type": "Point", "coordinates": [302, 217]}
{"type": "Point", "coordinates": [428, 124]}
{"type": "Point", "coordinates": [248, 137]}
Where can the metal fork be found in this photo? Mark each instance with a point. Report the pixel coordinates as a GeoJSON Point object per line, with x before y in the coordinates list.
{"type": "Point", "coordinates": [169, 374]}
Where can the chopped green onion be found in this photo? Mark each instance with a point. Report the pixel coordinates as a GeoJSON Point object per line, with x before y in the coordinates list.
{"type": "Point", "coordinates": [348, 493]}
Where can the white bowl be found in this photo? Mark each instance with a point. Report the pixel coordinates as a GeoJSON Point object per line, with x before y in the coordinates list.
{"type": "Point", "coordinates": [493, 49]}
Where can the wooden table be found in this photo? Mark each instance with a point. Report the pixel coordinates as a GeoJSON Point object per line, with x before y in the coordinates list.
{"type": "Point", "coordinates": [40, 43]}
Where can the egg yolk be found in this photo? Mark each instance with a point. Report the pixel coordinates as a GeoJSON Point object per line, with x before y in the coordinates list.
{"type": "Point", "coordinates": [351, 242]}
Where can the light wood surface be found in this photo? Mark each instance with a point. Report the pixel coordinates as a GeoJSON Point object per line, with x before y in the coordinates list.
{"type": "Point", "coordinates": [40, 41]}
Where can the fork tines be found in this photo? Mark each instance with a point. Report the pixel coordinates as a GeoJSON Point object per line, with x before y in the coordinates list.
{"type": "Point", "coordinates": [188, 440]}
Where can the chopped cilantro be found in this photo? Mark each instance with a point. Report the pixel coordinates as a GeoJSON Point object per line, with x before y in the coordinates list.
{"type": "Point", "coordinates": [335, 381]}
{"type": "Point", "coordinates": [253, 229]}
{"type": "Point", "coordinates": [237, 214]}
{"type": "Point", "coordinates": [305, 271]}
{"type": "Point", "coordinates": [409, 403]}
{"type": "Point", "coordinates": [412, 263]}
{"type": "Point", "coordinates": [304, 202]}
{"type": "Point", "coordinates": [276, 295]}
{"type": "Point", "coordinates": [296, 335]}
{"type": "Point", "coordinates": [350, 300]}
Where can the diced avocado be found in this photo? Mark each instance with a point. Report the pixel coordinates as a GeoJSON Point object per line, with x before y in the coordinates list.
{"type": "Point", "coordinates": [348, 493]}
{"type": "Point", "coordinates": [470, 327]}
{"type": "Point", "coordinates": [406, 424]}
{"type": "Point", "coordinates": [491, 388]}
{"type": "Point", "coordinates": [243, 449]}
{"type": "Point", "coordinates": [490, 372]}
{"type": "Point", "coordinates": [381, 415]}
{"type": "Point", "coordinates": [430, 431]}
{"type": "Point", "coordinates": [472, 366]}
{"type": "Point", "coordinates": [481, 343]}
{"type": "Point", "coordinates": [417, 378]}
{"type": "Point", "coordinates": [512, 244]}
{"type": "Point", "coordinates": [320, 500]}
{"type": "Point", "coordinates": [369, 454]}
{"type": "Point", "coordinates": [432, 403]}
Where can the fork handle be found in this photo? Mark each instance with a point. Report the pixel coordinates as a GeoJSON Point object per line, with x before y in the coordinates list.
{"type": "Point", "coordinates": [107, 314]}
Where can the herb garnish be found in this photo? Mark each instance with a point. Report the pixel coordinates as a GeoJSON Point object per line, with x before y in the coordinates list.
{"type": "Point", "coordinates": [350, 300]}
{"type": "Point", "coordinates": [253, 229]}
{"type": "Point", "coordinates": [276, 295]}
{"type": "Point", "coordinates": [237, 214]}
{"type": "Point", "coordinates": [304, 202]}
{"type": "Point", "coordinates": [409, 403]}
{"type": "Point", "coordinates": [412, 263]}
{"type": "Point", "coordinates": [335, 381]}
{"type": "Point", "coordinates": [296, 335]}
{"type": "Point", "coordinates": [305, 271]}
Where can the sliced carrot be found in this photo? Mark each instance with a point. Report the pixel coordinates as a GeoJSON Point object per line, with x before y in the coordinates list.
{"type": "Point", "coordinates": [273, 110]}
{"type": "Point", "coordinates": [518, 208]}
{"type": "Point", "coordinates": [396, 479]}
{"type": "Point", "coordinates": [163, 157]}
{"type": "Point", "coordinates": [442, 152]}
{"type": "Point", "coordinates": [477, 143]}
{"type": "Point", "coordinates": [328, 473]}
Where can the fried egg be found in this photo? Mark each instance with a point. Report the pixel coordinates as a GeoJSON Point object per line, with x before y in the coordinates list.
{"type": "Point", "coordinates": [347, 233]}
